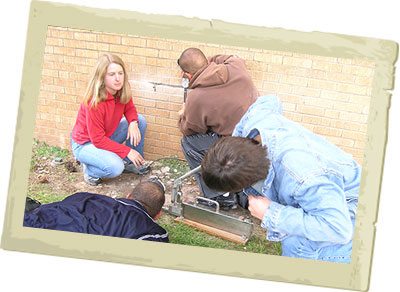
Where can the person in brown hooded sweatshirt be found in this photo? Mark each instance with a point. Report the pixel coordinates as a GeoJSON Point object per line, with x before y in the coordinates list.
{"type": "Point", "coordinates": [220, 92]}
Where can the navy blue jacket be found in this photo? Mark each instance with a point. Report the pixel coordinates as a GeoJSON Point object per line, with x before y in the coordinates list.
{"type": "Point", "coordinates": [97, 214]}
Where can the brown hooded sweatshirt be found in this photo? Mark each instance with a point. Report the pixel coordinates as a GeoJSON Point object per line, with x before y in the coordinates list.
{"type": "Point", "coordinates": [220, 93]}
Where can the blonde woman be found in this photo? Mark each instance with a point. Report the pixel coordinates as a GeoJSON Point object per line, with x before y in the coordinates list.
{"type": "Point", "coordinates": [106, 119]}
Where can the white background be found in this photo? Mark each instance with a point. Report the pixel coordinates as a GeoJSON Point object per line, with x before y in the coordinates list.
{"type": "Point", "coordinates": [48, 273]}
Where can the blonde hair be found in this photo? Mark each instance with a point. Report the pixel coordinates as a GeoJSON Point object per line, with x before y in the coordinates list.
{"type": "Point", "coordinates": [95, 91]}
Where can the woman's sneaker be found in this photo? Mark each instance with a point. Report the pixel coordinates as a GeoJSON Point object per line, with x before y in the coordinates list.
{"type": "Point", "coordinates": [131, 168]}
{"type": "Point", "coordinates": [93, 181]}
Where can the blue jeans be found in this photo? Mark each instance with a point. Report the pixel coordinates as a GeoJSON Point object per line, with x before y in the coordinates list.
{"type": "Point", "coordinates": [103, 163]}
{"type": "Point", "coordinates": [194, 148]}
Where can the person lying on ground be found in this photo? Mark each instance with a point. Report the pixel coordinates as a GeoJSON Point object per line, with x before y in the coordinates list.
{"type": "Point", "coordinates": [131, 217]}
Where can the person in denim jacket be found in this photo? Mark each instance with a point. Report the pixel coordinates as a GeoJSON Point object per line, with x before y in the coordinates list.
{"type": "Point", "coordinates": [303, 188]}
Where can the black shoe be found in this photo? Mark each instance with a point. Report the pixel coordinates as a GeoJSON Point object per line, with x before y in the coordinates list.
{"type": "Point", "coordinates": [131, 168]}
{"type": "Point", "coordinates": [227, 201]}
{"type": "Point", "coordinates": [31, 204]}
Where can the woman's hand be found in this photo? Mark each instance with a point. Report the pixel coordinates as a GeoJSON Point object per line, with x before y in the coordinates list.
{"type": "Point", "coordinates": [258, 206]}
{"type": "Point", "coordinates": [134, 133]}
{"type": "Point", "coordinates": [135, 157]}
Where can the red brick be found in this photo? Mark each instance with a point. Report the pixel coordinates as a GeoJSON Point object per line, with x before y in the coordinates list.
{"type": "Point", "coordinates": [311, 110]}
{"type": "Point", "coordinates": [87, 53]}
{"type": "Point", "coordinates": [120, 49]}
{"type": "Point", "coordinates": [85, 36]}
{"type": "Point", "coordinates": [53, 58]}
{"type": "Point", "coordinates": [50, 41]}
{"type": "Point", "coordinates": [106, 38]}
{"type": "Point", "coordinates": [154, 142]}
{"type": "Point", "coordinates": [152, 134]}
{"type": "Point", "coordinates": [157, 112]}
{"type": "Point", "coordinates": [173, 146]}
{"type": "Point", "coordinates": [326, 131]}
{"type": "Point", "coordinates": [134, 41]}
{"type": "Point", "coordinates": [354, 135]}
{"type": "Point", "coordinates": [97, 46]}
{"type": "Point", "coordinates": [47, 80]}
{"type": "Point", "coordinates": [66, 113]}
{"type": "Point", "coordinates": [64, 67]}
{"type": "Point", "coordinates": [64, 51]}
{"type": "Point", "coordinates": [325, 66]}
{"type": "Point", "coordinates": [156, 128]}
{"type": "Point", "coordinates": [159, 45]}
{"type": "Point", "coordinates": [74, 43]}
{"type": "Point", "coordinates": [316, 120]}
{"type": "Point", "coordinates": [166, 122]}
{"type": "Point", "coordinates": [64, 82]}
{"type": "Point", "coordinates": [61, 33]}
{"type": "Point", "coordinates": [297, 62]}
{"type": "Point", "coordinates": [306, 84]}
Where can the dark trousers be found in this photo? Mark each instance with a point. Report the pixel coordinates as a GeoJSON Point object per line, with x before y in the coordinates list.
{"type": "Point", "coordinates": [194, 148]}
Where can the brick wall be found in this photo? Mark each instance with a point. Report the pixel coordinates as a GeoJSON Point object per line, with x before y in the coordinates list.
{"type": "Point", "coordinates": [330, 96]}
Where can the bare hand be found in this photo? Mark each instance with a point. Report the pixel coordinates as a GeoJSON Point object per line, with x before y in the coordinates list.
{"type": "Point", "coordinates": [134, 134]}
{"type": "Point", "coordinates": [180, 113]}
{"type": "Point", "coordinates": [135, 157]}
{"type": "Point", "coordinates": [258, 206]}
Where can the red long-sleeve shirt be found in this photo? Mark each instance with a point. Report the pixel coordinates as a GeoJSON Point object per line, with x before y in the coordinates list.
{"type": "Point", "coordinates": [96, 125]}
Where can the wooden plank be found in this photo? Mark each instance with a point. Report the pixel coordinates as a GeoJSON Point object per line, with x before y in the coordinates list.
{"type": "Point", "coordinates": [213, 231]}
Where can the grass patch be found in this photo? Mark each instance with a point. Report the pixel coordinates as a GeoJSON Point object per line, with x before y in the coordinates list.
{"type": "Point", "coordinates": [180, 233]}
{"type": "Point", "coordinates": [43, 193]}
{"type": "Point", "coordinates": [45, 197]}
{"type": "Point", "coordinates": [41, 154]}
{"type": "Point", "coordinates": [177, 166]}
{"type": "Point", "coordinates": [42, 151]}
{"type": "Point", "coordinates": [72, 178]}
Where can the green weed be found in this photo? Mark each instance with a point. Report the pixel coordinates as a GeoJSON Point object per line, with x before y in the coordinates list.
{"type": "Point", "coordinates": [177, 166]}
{"type": "Point", "coordinates": [180, 233]}
{"type": "Point", "coordinates": [45, 197]}
{"type": "Point", "coordinates": [42, 151]}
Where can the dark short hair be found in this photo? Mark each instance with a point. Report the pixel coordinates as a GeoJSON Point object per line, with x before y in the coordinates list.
{"type": "Point", "coordinates": [192, 60]}
{"type": "Point", "coordinates": [233, 163]}
{"type": "Point", "coordinates": [151, 195]}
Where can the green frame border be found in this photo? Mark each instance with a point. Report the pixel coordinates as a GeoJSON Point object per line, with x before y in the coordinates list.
{"type": "Point", "coordinates": [354, 276]}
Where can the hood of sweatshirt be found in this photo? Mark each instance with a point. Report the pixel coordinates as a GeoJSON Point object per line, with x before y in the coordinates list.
{"type": "Point", "coordinates": [210, 75]}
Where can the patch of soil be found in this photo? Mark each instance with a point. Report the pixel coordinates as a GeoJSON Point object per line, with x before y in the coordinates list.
{"type": "Point", "coordinates": [66, 178]}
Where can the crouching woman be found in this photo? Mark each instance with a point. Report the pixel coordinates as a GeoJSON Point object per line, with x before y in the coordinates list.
{"type": "Point", "coordinates": [106, 119]}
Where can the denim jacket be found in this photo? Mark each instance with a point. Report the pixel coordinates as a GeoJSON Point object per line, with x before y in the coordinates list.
{"type": "Point", "coordinates": [312, 184]}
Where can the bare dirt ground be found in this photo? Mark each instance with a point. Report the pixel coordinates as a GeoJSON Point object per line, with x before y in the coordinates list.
{"type": "Point", "coordinates": [66, 178]}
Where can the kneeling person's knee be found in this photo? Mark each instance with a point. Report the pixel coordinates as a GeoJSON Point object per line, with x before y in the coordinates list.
{"type": "Point", "coordinates": [114, 169]}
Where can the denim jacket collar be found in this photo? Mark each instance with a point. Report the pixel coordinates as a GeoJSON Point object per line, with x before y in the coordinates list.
{"type": "Point", "coordinates": [270, 144]}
